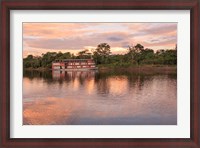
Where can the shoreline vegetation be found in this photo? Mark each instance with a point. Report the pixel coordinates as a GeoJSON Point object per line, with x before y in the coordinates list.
{"type": "Point", "coordinates": [136, 69]}
{"type": "Point", "coordinates": [137, 59]}
{"type": "Point", "coordinates": [142, 68]}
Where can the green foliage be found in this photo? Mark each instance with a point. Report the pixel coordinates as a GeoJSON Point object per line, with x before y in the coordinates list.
{"type": "Point", "coordinates": [45, 60]}
{"type": "Point", "coordinates": [136, 55]}
{"type": "Point", "coordinates": [85, 54]}
{"type": "Point", "coordinates": [101, 53]}
{"type": "Point", "coordinates": [167, 57]}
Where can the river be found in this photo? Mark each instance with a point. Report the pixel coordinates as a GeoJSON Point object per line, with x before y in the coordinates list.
{"type": "Point", "coordinates": [99, 98]}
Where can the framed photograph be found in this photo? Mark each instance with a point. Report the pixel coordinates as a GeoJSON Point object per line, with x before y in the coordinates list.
{"type": "Point", "coordinates": [100, 73]}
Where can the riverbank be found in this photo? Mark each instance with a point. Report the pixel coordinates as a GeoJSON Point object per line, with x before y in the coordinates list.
{"type": "Point", "coordinates": [141, 69]}
{"type": "Point", "coordinates": [136, 69]}
{"type": "Point", "coordinates": [37, 69]}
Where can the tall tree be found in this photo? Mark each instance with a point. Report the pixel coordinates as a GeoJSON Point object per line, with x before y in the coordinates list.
{"type": "Point", "coordinates": [101, 53]}
{"type": "Point", "coordinates": [85, 54]}
{"type": "Point", "coordinates": [135, 53]}
{"type": "Point", "coordinates": [139, 48]}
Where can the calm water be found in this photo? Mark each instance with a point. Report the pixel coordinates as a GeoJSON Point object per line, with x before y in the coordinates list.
{"type": "Point", "coordinates": [99, 98]}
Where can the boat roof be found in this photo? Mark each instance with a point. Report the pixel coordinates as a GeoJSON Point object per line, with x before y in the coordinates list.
{"type": "Point", "coordinates": [67, 60]}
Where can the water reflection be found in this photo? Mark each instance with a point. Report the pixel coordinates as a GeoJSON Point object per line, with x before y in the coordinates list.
{"type": "Point", "coordinates": [91, 97]}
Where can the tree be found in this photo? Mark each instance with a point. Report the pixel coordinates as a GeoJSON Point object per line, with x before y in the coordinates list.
{"type": "Point", "coordinates": [85, 54]}
{"type": "Point", "coordinates": [139, 48]}
{"type": "Point", "coordinates": [176, 47]}
{"type": "Point", "coordinates": [131, 52]}
{"type": "Point", "coordinates": [168, 57]}
{"type": "Point", "coordinates": [101, 53]}
{"type": "Point", "coordinates": [32, 61]}
{"type": "Point", "coordinates": [147, 56]}
{"type": "Point", "coordinates": [29, 57]}
{"type": "Point", "coordinates": [47, 59]}
{"type": "Point", "coordinates": [135, 53]}
{"type": "Point", "coordinates": [67, 55]}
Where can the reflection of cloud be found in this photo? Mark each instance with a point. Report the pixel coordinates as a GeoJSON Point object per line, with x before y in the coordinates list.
{"type": "Point", "coordinates": [105, 100]}
{"type": "Point", "coordinates": [49, 111]}
{"type": "Point", "coordinates": [118, 85]}
{"type": "Point", "coordinates": [90, 86]}
{"type": "Point", "coordinates": [76, 85]}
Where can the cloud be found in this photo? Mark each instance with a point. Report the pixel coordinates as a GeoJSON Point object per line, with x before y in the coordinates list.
{"type": "Point", "coordinates": [152, 28]}
{"type": "Point", "coordinates": [115, 39]}
{"type": "Point", "coordinates": [53, 30]}
{"type": "Point", "coordinates": [161, 40]}
{"type": "Point", "coordinates": [125, 44]}
{"type": "Point", "coordinates": [161, 29]}
{"type": "Point", "coordinates": [76, 42]}
{"type": "Point", "coordinates": [40, 37]}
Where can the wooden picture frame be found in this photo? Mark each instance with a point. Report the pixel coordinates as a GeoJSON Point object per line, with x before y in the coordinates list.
{"type": "Point", "coordinates": [192, 5]}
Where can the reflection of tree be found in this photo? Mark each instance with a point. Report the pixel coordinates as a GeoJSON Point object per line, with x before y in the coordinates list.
{"type": "Point", "coordinates": [172, 76]}
{"type": "Point", "coordinates": [71, 76]}
{"type": "Point", "coordinates": [135, 80]}
{"type": "Point", "coordinates": [31, 74]}
{"type": "Point", "coordinates": [139, 80]}
{"type": "Point", "coordinates": [60, 77]}
{"type": "Point", "coordinates": [102, 84]}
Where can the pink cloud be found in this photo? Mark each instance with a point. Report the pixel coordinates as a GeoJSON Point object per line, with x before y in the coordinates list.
{"type": "Point", "coordinates": [41, 37]}
{"type": "Point", "coordinates": [52, 30]}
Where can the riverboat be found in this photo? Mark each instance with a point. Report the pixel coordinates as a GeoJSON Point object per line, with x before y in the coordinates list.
{"type": "Point", "coordinates": [74, 64]}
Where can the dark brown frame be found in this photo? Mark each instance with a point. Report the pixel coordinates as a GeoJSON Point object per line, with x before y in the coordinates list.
{"type": "Point", "coordinates": [6, 6]}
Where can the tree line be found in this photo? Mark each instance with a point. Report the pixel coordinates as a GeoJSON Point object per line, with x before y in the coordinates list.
{"type": "Point", "coordinates": [136, 55]}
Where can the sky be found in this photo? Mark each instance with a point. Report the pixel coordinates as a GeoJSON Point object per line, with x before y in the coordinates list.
{"type": "Point", "coordinates": [40, 38]}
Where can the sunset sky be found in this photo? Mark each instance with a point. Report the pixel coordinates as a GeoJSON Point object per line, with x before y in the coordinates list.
{"type": "Point", "coordinates": [40, 38]}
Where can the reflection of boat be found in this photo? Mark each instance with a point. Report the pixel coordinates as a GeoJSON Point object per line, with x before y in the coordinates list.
{"type": "Point", "coordinates": [74, 64]}
{"type": "Point", "coordinates": [69, 75]}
